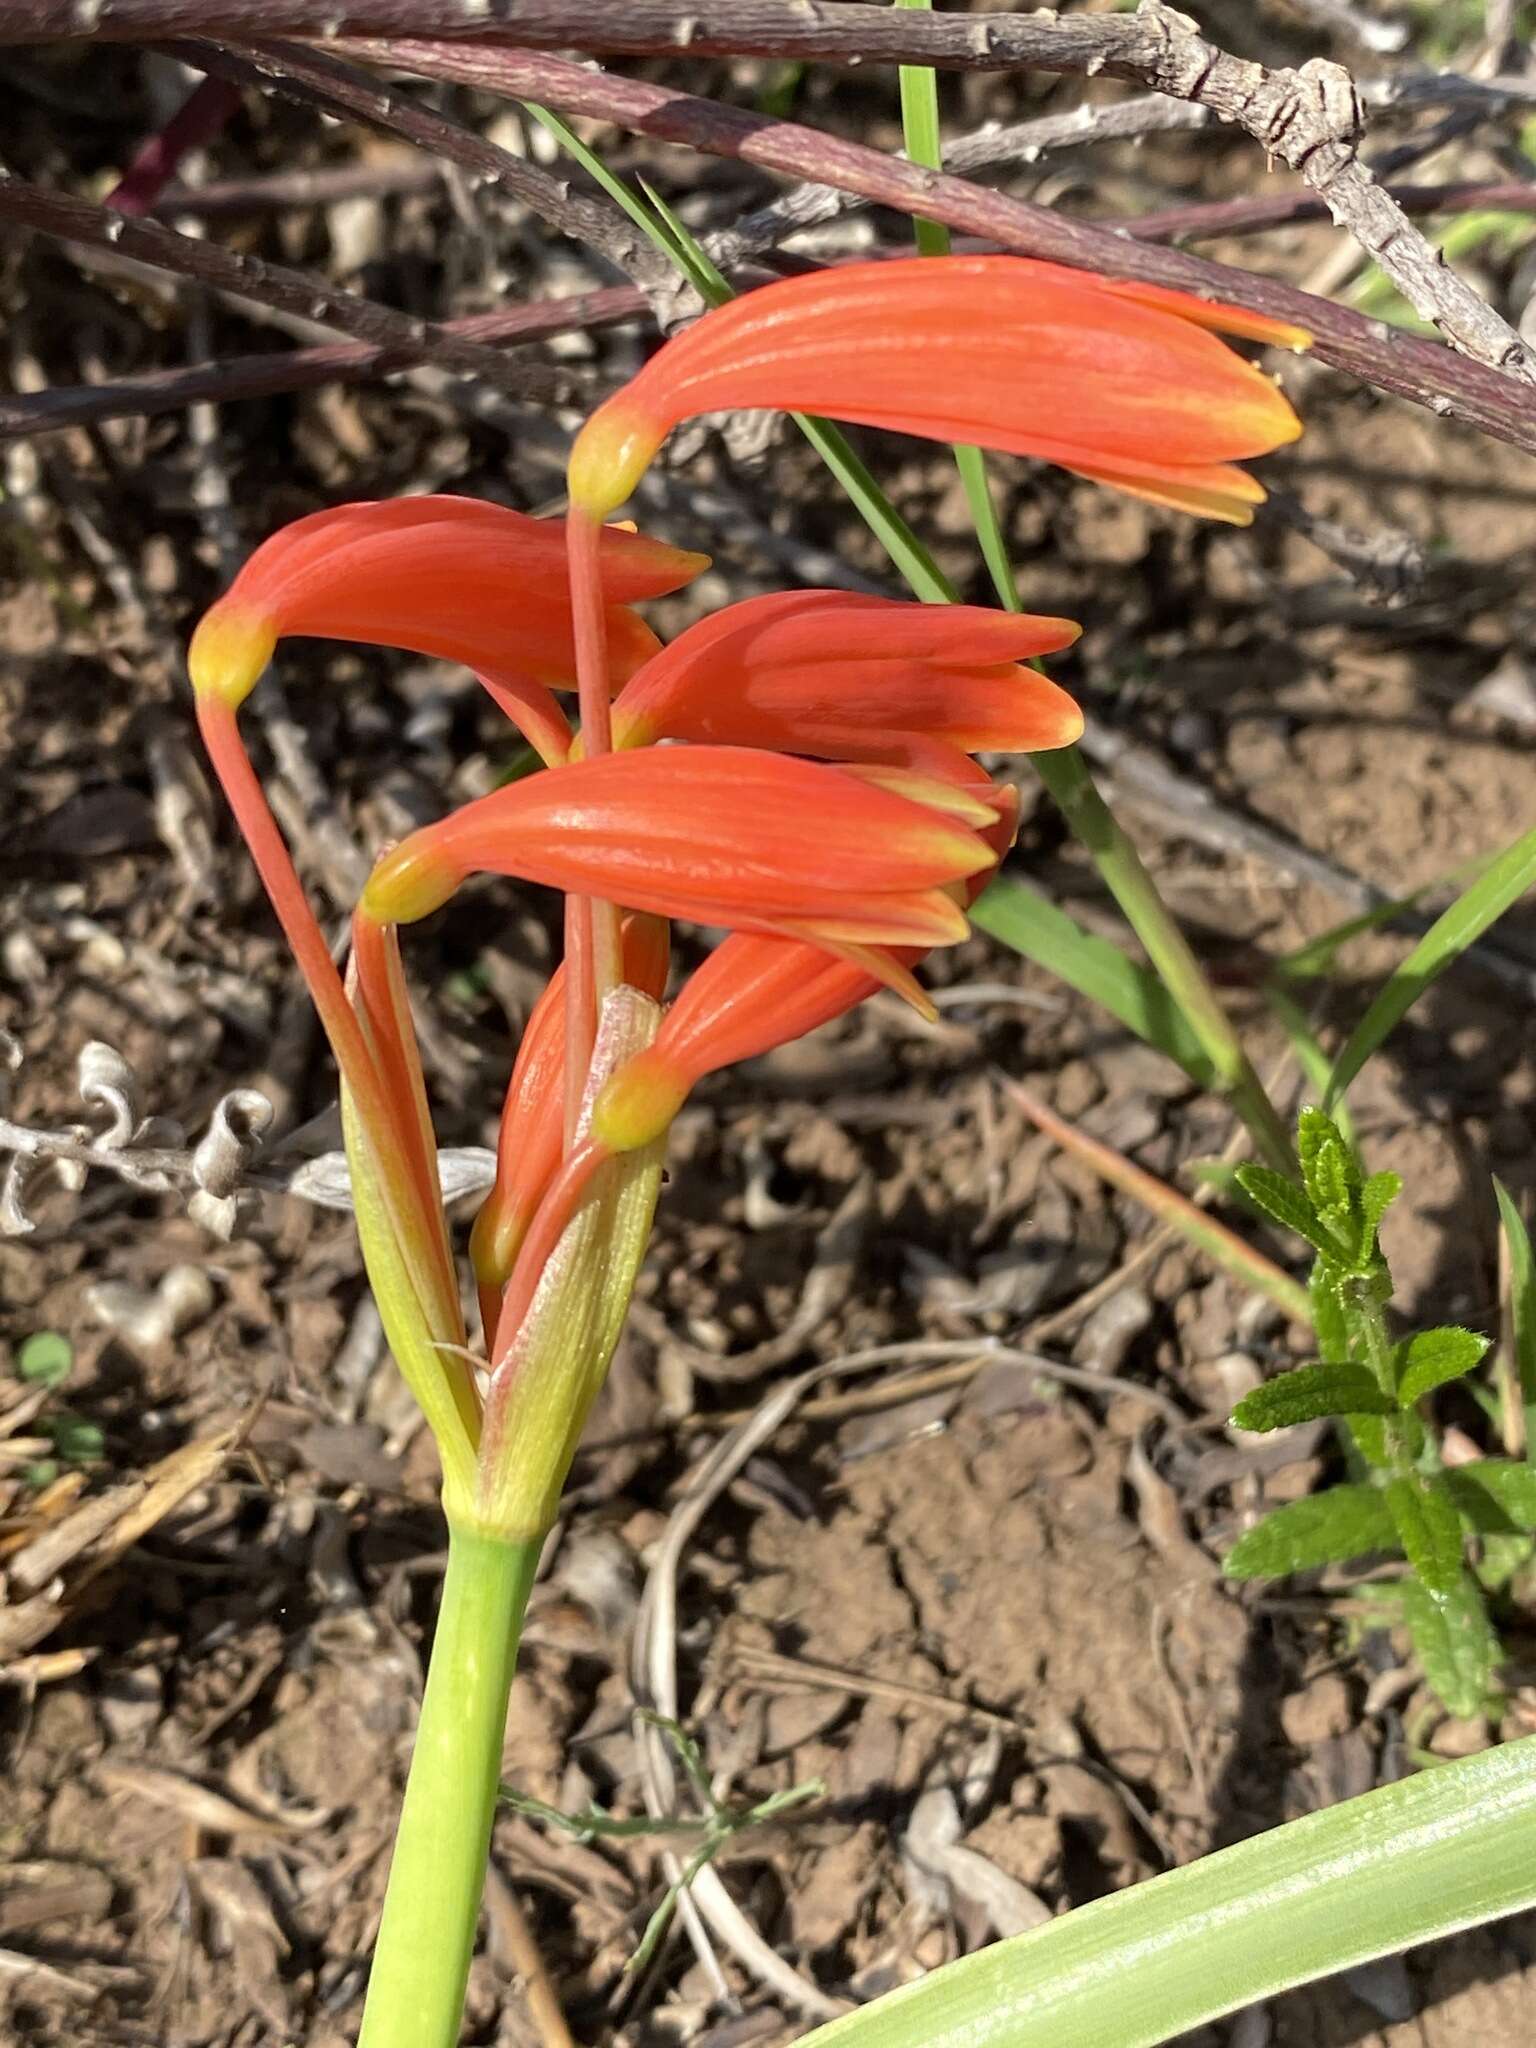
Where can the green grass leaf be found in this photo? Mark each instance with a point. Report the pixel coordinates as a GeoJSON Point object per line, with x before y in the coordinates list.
{"type": "Point", "coordinates": [1444, 1850]}
{"type": "Point", "coordinates": [1432, 1357]}
{"type": "Point", "coordinates": [1428, 1528]}
{"type": "Point", "coordinates": [1502, 883]}
{"type": "Point", "coordinates": [1326, 1528]}
{"type": "Point", "coordinates": [1310, 1392]}
{"type": "Point", "coordinates": [1522, 1291]}
{"type": "Point", "coordinates": [1454, 1640]}
{"type": "Point", "coordinates": [1023, 919]}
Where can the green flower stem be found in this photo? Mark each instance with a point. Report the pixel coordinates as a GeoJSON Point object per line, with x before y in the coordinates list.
{"type": "Point", "coordinates": [1065, 774]}
{"type": "Point", "coordinates": [421, 1961]}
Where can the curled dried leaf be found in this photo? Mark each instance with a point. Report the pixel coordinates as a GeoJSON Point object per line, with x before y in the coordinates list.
{"type": "Point", "coordinates": [106, 1082]}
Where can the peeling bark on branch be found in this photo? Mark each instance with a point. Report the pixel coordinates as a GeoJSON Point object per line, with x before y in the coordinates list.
{"type": "Point", "coordinates": [1451, 385]}
{"type": "Point", "coordinates": [1309, 119]}
{"type": "Point", "coordinates": [295, 292]}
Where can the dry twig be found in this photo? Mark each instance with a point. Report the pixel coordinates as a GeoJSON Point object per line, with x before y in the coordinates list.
{"type": "Point", "coordinates": [1449, 384]}
{"type": "Point", "coordinates": [296, 292]}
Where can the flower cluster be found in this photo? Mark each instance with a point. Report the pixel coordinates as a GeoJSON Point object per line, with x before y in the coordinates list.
{"type": "Point", "coordinates": [798, 770]}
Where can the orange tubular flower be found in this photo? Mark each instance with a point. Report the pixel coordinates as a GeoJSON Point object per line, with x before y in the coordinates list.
{"type": "Point", "coordinates": [717, 835]}
{"type": "Point", "coordinates": [751, 995]}
{"type": "Point", "coordinates": [1121, 383]}
{"type": "Point", "coordinates": [855, 678]}
{"type": "Point", "coordinates": [444, 577]}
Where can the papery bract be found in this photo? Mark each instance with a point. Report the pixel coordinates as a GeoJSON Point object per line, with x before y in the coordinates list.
{"type": "Point", "coordinates": [530, 1139]}
{"type": "Point", "coordinates": [1119, 382]}
{"type": "Point", "coordinates": [718, 835]}
{"type": "Point", "coordinates": [852, 677]}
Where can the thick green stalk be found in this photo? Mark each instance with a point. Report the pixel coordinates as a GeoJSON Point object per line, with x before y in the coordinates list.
{"type": "Point", "coordinates": [426, 1938]}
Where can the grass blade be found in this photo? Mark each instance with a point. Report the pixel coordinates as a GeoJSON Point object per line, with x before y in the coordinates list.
{"type": "Point", "coordinates": [924, 143]}
{"type": "Point", "coordinates": [1414, 1861]}
{"type": "Point", "coordinates": [1522, 1296]}
{"type": "Point", "coordinates": [1502, 883]}
{"type": "Point", "coordinates": [1043, 932]}
{"type": "Point", "coordinates": [1224, 1246]}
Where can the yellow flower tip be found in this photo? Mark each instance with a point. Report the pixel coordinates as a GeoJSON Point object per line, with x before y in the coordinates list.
{"type": "Point", "coordinates": [610, 455]}
{"type": "Point", "coordinates": [637, 1103]}
{"type": "Point", "coordinates": [229, 650]}
{"type": "Point", "coordinates": [951, 926]}
{"type": "Point", "coordinates": [409, 882]}
{"type": "Point", "coordinates": [630, 729]}
{"type": "Point", "coordinates": [945, 797]}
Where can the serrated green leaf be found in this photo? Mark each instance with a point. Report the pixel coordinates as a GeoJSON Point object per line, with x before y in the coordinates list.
{"type": "Point", "coordinates": [1503, 882]}
{"type": "Point", "coordinates": [1432, 1357]}
{"type": "Point", "coordinates": [1329, 1322]}
{"type": "Point", "coordinates": [1327, 1528]}
{"type": "Point", "coordinates": [1330, 1187]}
{"type": "Point", "coordinates": [1503, 1558]}
{"type": "Point", "coordinates": [46, 1358]}
{"type": "Point", "coordinates": [1285, 1202]}
{"type": "Point", "coordinates": [1310, 1392]}
{"type": "Point", "coordinates": [1376, 1197]}
{"type": "Point", "coordinates": [1428, 1528]}
{"type": "Point", "coordinates": [1497, 1495]}
{"type": "Point", "coordinates": [1522, 1297]}
{"type": "Point", "coordinates": [1455, 1642]}
{"type": "Point", "coordinates": [1368, 1434]}
{"type": "Point", "coordinates": [1328, 1170]}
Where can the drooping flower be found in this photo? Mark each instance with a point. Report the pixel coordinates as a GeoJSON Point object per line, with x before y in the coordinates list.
{"type": "Point", "coordinates": [750, 995]}
{"type": "Point", "coordinates": [1123, 383]}
{"type": "Point", "coordinates": [718, 835]}
{"type": "Point", "coordinates": [855, 678]}
{"type": "Point", "coordinates": [445, 577]}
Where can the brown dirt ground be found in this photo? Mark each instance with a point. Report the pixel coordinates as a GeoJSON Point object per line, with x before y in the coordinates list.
{"type": "Point", "coordinates": [995, 1612]}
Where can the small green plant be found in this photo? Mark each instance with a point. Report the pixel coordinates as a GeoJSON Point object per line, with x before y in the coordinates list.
{"type": "Point", "coordinates": [46, 1359]}
{"type": "Point", "coordinates": [1463, 1530]}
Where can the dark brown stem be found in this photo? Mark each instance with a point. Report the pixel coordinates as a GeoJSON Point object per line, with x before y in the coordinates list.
{"type": "Point", "coordinates": [277, 371]}
{"type": "Point", "coordinates": [301, 369]}
{"type": "Point", "coordinates": [296, 293]}
{"type": "Point", "coordinates": [1449, 384]}
{"type": "Point", "coordinates": [1252, 216]}
{"type": "Point", "coordinates": [1309, 118]}
{"type": "Point", "coordinates": [318, 81]}
{"type": "Point", "coordinates": [278, 190]}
